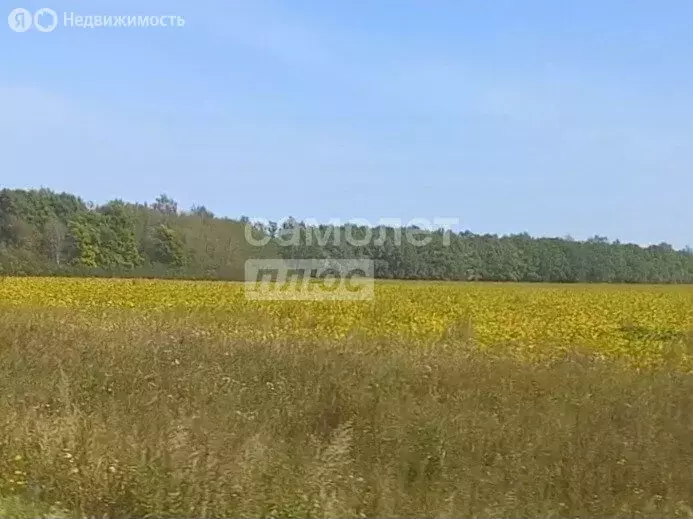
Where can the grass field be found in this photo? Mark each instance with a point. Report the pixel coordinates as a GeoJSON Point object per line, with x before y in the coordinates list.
{"type": "Point", "coordinates": [135, 397]}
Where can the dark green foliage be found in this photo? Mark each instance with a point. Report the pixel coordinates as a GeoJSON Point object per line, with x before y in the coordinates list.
{"type": "Point", "coordinates": [46, 233]}
{"type": "Point", "coordinates": [470, 257]}
{"type": "Point", "coordinates": [168, 247]}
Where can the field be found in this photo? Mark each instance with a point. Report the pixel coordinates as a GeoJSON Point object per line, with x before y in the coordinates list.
{"type": "Point", "coordinates": [136, 397]}
{"type": "Point", "coordinates": [643, 324]}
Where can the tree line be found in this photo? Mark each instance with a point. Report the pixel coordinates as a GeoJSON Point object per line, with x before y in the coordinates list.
{"type": "Point", "coordinates": [47, 233]}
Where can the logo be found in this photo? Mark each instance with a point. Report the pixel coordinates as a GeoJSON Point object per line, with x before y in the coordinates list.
{"type": "Point", "coordinates": [310, 280]}
{"type": "Point", "coordinates": [44, 19]}
{"type": "Point", "coordinates": [20, 20]}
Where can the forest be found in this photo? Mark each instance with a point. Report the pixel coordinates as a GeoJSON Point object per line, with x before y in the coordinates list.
{"type": "Point", "coordinates": [46, 233]}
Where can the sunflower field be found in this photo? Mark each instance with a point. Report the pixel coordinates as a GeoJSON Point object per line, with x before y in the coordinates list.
{"type": "Point", "coordinates": [645, 325]}
{"type": "Point", "coordinates": [153, 398]}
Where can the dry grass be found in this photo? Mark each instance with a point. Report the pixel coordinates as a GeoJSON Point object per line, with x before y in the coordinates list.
{"type": "Point", "coordinates": [145, 418]}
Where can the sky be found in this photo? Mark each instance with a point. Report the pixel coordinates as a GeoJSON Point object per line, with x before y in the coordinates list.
{"type": "Point", "coordinates": [552, 118]}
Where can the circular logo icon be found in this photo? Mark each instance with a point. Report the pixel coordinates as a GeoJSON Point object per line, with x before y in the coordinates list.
{"type": "Point", "coordinates": [20, 20]}
{"type": "Point", "coordinates": [45, 19]}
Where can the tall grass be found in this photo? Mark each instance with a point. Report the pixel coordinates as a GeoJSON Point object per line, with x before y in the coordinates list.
{"type": "Point", "coordinates": [139, 417]}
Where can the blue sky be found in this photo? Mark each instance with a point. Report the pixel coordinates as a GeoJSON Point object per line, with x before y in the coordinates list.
{"type": "Point", "coordinates": [553, 118]}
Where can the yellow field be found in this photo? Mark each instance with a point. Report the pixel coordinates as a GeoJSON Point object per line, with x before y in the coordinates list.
{"type": "Point", "coordinates": [643, 324]}
{"type": "Point", "coordinates": [137, 398]}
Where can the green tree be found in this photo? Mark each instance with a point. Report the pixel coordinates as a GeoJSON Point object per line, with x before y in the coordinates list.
{"type": "Point", "coordinates": [168, 247]}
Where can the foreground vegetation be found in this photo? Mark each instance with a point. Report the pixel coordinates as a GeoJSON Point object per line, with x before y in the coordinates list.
{"type": "Point", "coordinates": [130, 420]}
{"type": "Point", "coordinates": [135, 398]}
